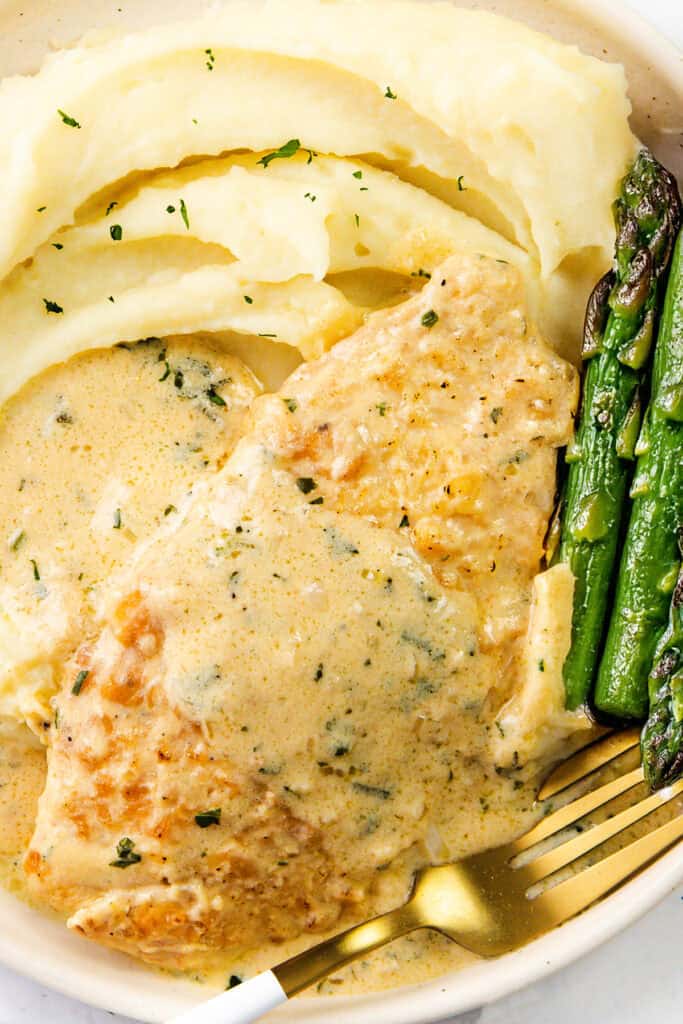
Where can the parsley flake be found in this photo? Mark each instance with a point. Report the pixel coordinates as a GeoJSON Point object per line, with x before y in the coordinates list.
{"type": "Point", "coordinates": [215, 398]}
{"type": "Point", "coordinates": [41, 209]}
{"type": "Point", "coordinates": [248, 299]}
{"type": "Point", "coordinates": [116, 232]}
{"type": "Point", "coordinates": [358, 174]}
{"type": "Point", "coordinates": [206, 818]}
{"type": "Point", "coordinates": [16, 539]}
{"type": "Point", "coordinates": [36, 570]}
{"type": "Point", "coordinates": [289, 149]}
{"type": "Point", "coordinates": [291, 403]}
{"type": "Point", "coordinates": [57, 245]}
{"type": "Point", "coordinates": [117, 519]}
{"type": "Point", "coordinates": [404, 522]}
{"type": "Point", "coordinates": [461, 187]}
{"type": "Point", "coordinates": [125, 854]}
{"type": "Point", "coordinates": [390, 94]}
{"type": "Point", "coordinates": [169, 509]}
{"type": "Point", "coordinates": [110, 207]}
{"type": "Point", "coordinates": [80, 679]}
{"type": "Point", "coordinates": [211, 60]}
{"type": "Point", "coordinates": [183, 214]}
{"type": "Point", "coordinates": [52, 307]}
{"type": "Point", "coordinates": [68, 120]}
{"type": "Point", "coordinates": [170, 209]}
{"type": "Point", "coordinates": [306, 484]}
{"type": "Point", "coordinates": [429, 319]}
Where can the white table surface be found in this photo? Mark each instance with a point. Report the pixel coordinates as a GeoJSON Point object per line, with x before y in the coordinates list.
{"type": "Point", "coordinates": [634, 979]}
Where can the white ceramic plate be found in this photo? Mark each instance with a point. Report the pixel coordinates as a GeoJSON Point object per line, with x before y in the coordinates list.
{"type": "Point", "coordinates": [42, 948]}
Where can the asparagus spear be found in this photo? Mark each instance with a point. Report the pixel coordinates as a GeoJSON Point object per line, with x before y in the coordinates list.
{"type": "Point", "coordinates": [662, 740]}
{"type": "Point", "coordinates": [618, 333]}
{"type": "Point", "coordinates": [650, 560]}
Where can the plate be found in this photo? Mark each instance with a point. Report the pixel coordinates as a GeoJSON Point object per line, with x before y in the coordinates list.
{"type": "Point", "coordinates": [40, 947]}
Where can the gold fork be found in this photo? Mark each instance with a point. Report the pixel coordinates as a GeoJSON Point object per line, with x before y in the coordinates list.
{"type": "Point", "coordinates": [486, 902]}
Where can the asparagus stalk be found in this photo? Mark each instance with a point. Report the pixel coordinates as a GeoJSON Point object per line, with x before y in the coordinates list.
{"type": "Point", "coordinates": [650, 561]}
{"type": "Point", "coordinates": [618, 333]}
{"type": "Point", "coordinates": [662, 740]}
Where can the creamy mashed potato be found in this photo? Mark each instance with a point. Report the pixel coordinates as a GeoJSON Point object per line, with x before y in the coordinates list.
{"type": "Point", "coordinates": [243, 192]}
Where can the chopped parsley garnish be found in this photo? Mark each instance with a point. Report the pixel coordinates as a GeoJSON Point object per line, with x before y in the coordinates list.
{"type": "Point", "coordinates": [248, 299]}
{"type": "Point", "coordinates": [206, 818]}
{"type": "Point", "coordinates": [16, 539]}
{"type": "Point", "coordinates": [178, 379]}
{"type": "Point", "coordinates": [170, 209]}
{"type": "Point", "coordinates": [358, 175]}
{"type": "Point", "coordinates": [496, 413]}
{"type": "Point", "coordinates": [125, 854]}
{"type": "Point", "coordinates": [356, 219]}
{"type": "Point", "coordinates": [57, 245]}
{"type": "Point", "coordinates": [117, 519]}
{"type": "Point", "coordinates": [291, 403]}
{"type": "Point", "coordinates": [41, 209]}
{"type": "Point", "coordinates": [211, 60]}
{"type": "Point", "coordinates": [461, 187]}
{"type": "Point", "coordinates": [404, 522]}
{"type": "Point", "coordinates": [78, 683]}
{"type": "Point", "coordinates": [429, 319]}
{"type": "Point", "coordinates": [52, 307]}
{"type": "Point", "coordinates": [309, 195]}
{"type": "Point", "coordinates": [166, 373]}
{"type": "Point", "coordinates": [36, 570]}
{"type": "Point", "coordinates": [390, 94]}
{"type": "Point", "coordinates": [375, 791]}
{"type": "Point", "coordinates": [116, 232]}
{"type": "Point", "coordinates": [68, 120]}
{"type": "Point", "coordinates": [319, 673]}
{"type": "Point", "coordinates": [183, 214]}
{"type": "Point", "coordinates": [111, 298]}
{"type": "Point", "coordinates": [422, 273]}
{"type": "Point", "coordinates": [110, 207]}
{"type": "Point", "coordinates": [289, 149]}
{"type": "Point", "coordinates": [169, 509]}
{"type": "Point", "coordinates": [541, 665]}
{"type": "Point", "coordinates": [317, 501]}
{"type": "Point", "coordinates": [233, 981]}
{"type": "Point", "coordinates": [215, 398]}
{"type": "Point", "coordinates": [306, 484]}
{"type": "Point", "coordinates": [382, 408]}
{"type": "Point", "coordinates": [265, 335]}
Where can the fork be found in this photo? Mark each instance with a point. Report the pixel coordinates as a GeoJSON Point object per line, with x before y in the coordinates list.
{"type": "Point", "coordinates": [486, 902]}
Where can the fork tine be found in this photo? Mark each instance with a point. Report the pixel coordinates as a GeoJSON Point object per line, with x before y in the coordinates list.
{"type": "Point", "coordinates": [588, 760]}
{"type": "Point", "coordinates": [564, 854]}
{"type": "Point", "coordinates": [577, 893]}
{"type": "Point", "coordinates": [577, 809]}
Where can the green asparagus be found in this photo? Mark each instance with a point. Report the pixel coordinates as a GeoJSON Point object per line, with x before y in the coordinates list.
{"type": "Point", "coordinates": [662, 740]}
{"type": "Point", "coordinates": [619, 327]}
{"type": "Point", "coordinates": [649, 565]}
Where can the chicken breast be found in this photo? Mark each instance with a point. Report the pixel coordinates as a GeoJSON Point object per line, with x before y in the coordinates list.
{"type": "Point", "coordinates": [295, 682]}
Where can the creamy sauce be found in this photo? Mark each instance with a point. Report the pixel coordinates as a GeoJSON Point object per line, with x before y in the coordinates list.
{"type": "Point", "coordinates": [94, 455]}
{"type": "Point", "coordinates": [22, 778]}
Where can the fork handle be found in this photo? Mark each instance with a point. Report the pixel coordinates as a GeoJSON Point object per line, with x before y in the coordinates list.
{"type": "Point", "coordinates": [250, 1000]}
{"type": "Point", "coordinates": [241, 1005]}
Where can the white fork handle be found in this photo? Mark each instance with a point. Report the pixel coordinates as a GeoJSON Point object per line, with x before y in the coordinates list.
{"type": "Point", "coordinates": [241, 1005]}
